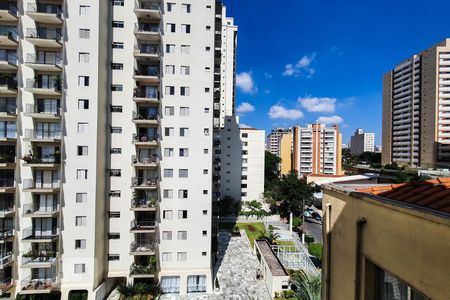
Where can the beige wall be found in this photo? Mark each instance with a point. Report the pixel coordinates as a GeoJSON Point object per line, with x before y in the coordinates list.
{"type": "Point", "coordinates": [412, 245]}
{"type": "Point", "coordinates": [386, 143]}
{"type": "Point", "coordinates": [286, 153]}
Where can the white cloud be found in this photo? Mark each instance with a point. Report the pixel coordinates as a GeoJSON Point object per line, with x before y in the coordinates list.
{"type": "Point", "coordinates": [314, 104]}
{"type": "Point", "coordinates": [302, 67]}
{"type": "Point", "coordinates": [242, 125]}
{"type": "Point", "coordinates": [245, 107]}
{"type": "Point", "coordinates": [330, 120]}
{"type": "Point", "coordinates": [245, 82]}
{"type": "Point", "coordinates": [268, 75]}
{"type": "Point", "coordinates": [279, 112]}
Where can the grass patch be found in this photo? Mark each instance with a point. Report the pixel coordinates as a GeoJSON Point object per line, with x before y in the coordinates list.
{"type": "Point", "coordinates": [285, 243]}
{"type": "Point", "coordinates": [254, 230]}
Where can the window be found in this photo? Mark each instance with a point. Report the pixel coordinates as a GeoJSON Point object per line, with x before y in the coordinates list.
{"type": "Point", "coordinates": [205, 171]}
{"type": "Point", "coordinates": [170, 48]}
{"type": "Point", "coordinates": [83, 57]}
{"type": "Point", "coordinates": [208, 27]}
{"type": "Point", "coordinates": [186, 8]}
{"type": "Point", "coordinates": [170, 6]}
{"type": "Point", "coordinates": [116, 87]}
{"type": "Point", "coordinates": [80, 244]}
{"type": "Point", "coordinates": [167, 194]}
{"type": "Point", "coordinates": [166, 256]}
{"type": "Point", "coordinates": [204, 233]}
{"type": "Point", "coordinates": [83, 80]}
{"type": "Point", "coordinates": [82, 173]}
{"type": "Point", "coordinates": [207, 49]}
{"type": "Point", "coordinates": [115, 193]}
{"type": "Point", "coordinates": [185, 70]}
{"type": "Point", "coordinates": [81, 197]}
{"type": "Point", "coordinates": [184, 131]}
{"type": "Point", "coordinates": [181, 256]}
{"type": "Point", "coordinates": [169, 110]}
{"type": "Point", "coordinates": [113, 257]}
{"type": "Point", "coordinates": [117, 45]}
{"type": "Point", "coordinates": [114, 214]}
{"type": "Point", "coordinates": [205, 212]}
{"type": "Point", "coordinates": [170, 69]}
{"type": "Point", "coordinates": [170, 90]}
{"type": "Point", "coordinates": [205, 192]}
{"type": "Point", "coordinates": [116, 66]}
{"type": "Point", "coordinates": [245, 135]}
{"type": "Point", "coordinates": [184, 91]}
{"type": "Point", "coordinates": [115, 172]}
{"type": "Point", "coordinates": [182, 214]}
{"type": "Point", "coordinates": [182, 235]}
{"type": "Point", "coordinates": [184, 152]}
{"type": "Point", "coordinates": [185, 49]}
{"type": "Point", "coordinates": [83, 104]}
{"type": "Point", "coordinates": [206, 110]}
{"type": "Point", "coordinates": [80, 221]}
{"type": "Point", "coordinates": [84, 10]}
{"type": "Point", "coordinates": [170, 27]}
{"type": "Point", "coordinates": [184, 111]}
{"type": "Point", "coordinates": [169, 131]}
{"type": "Point", "coordinates": [390, 286]}
{"type": "Point", "coordinates": [118, 24]}
{"type": "Point", "coordinates": [79, 268]}
{"type": "Point", "coordinates": [185, 28]}
{"type": "Point", "coordinates": [114, 236]}
{"type": "Point", "coordinates": [116, 151]}
{"type": "Point", "coordinates": [167, 235]}
{"type": "Point", "coordinates": [244, 169]}
{"type": "Point", "coordinates": [116, 130]}
{"type": "Point", "coordinates": [118, 3]}
{"type": "Point", "coordinates": [204, 253]}
{"type": "Point", "coordinates": [182, 194]}
{"type": "Point", "coordinates": [168, 173]}
{"type": "Point", "coordinates": [168, 152]}
{"type": "Point", "coordinates": [82, 127]}
{"type": "Point", "coordinates": [167, 214]}
{"type": "Point", "coordinates": [206, 131]}
{"type": "Point", "coordinates": [207, 70]}
{"type": "Point", "coordinates": [82, 150]}
{"type": "Point", "coordinates": [205, 151]}
{"type": "Point", "coordinates": [85, 33]}
{"type": "Point", "coordinates": [116, 108]}
{"type": "Point", "coordinates": [183, 173]}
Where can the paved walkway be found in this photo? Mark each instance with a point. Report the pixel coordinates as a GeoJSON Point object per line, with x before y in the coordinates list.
{"type": "Point", "coordinates": [236, 270]}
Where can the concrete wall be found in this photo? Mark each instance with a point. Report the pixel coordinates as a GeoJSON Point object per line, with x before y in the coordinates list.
{"type": "Point", "coordinates": [286, 153]}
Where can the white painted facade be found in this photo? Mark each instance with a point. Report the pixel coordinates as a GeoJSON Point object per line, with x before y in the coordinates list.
{"type": "Point", "coordinates": [362, 142]}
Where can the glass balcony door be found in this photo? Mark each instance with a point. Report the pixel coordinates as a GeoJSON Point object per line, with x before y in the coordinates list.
{"type": "Point", "coordinates": [43, 226]}
{"type": "Point", "coordinates": [46, 202]}
{"type": "Point", "coordinates": [49, 106]}
{"type": "Point", "coordinates": [46, 179]}
{"type": "Point", "coordinates": [151, 92]}
{"type": "Point", "coordinates": [8, 129]}
{"type": "Point", "coordinates": [42, 273]}
{"type": "Point", "coordinates": [48, 57]}
{"type": "Point", "coordinates": [47, 130]}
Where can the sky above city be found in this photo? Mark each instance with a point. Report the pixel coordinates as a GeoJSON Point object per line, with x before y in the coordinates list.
{"type": "Point", "coordinates": [305, 61]}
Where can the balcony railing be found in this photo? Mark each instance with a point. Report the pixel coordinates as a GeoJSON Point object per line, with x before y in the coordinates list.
{"type": "Point", "coordinates": [6, 206]}
{"type": "Point", "coordinates": [6, 233]}
{"type": "Point", "coordinates": [142, 247]}
{"type": "Point", "coordinates": [31, 233]}
{"type": "Point", "coordinates": [6, 259]}
{"type": "Point", "coordinates": [136, 269]}
{"type": "Point", "coordinates": [146, 5]}
{"type": "Point", "coordinates": [147, 71]}
{"type": "Point", "coordinates": [8, 83]}
{"type": "Point", "coordinates": [7, 182]}
{"type": "Point", "coordinates": [52, 84]}
{"type": "Point", "coordinates": [9, 7]}
{"type": "Point", "coordinates": [145, 116]}
{"type": "Point", "coordinates": [143, 203]}
{"type": "Point", "coordinates": [33, 209]}
{"type": "Point", "coordinates": [44, 8]}
{"type": "Point", "coordinates": [44, 33]}
{"type": "Point", "coordinates": [8, 107]}
{"type": "Point", "coordinates": [143, 225]}
{"type": "Point", "coordinates": [9, 32]}
{"type": "Point", "coordinates": [144, 182]}
{"type": "Point", "coordinates": [148, 94]}
{"type": "Point", "coordinates": [47, 60]}
{"type": "Point", "coordinates": [31, 184]}
{"type": "Point", "coordinates": [147, 49]}
{"type": "Point", "coordinates": [153, 159]}
{"type": "Point", "coordinates": [144, 138]}
{"type": "Point", "coordinates": [39, 257]}
{"type": "Point", "coordinates": [36, 284]}
{"type": "Point", "coordinates": [146, 28]}
{"type": "Point", "coordinates": [32, 109]}
{"type": "Point", "coordinates": [6, 158]}
{"type": "Point", "coordinates": [6, 283]}
{"type": "Point", "coordinates": [42, 135]}
{"type": "Point", "coordinates": [9, 56]}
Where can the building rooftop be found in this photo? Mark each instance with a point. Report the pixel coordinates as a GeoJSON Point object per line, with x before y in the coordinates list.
{"type": "Point", "coordinates": [275, 266]}
{"type": "Point", "coordinates": [431, 194]}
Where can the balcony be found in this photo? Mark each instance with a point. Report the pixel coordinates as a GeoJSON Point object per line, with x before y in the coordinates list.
{"type": "Point", "coordinates": [45, 86]}
{"type": "Point", "coordinates": [49, 62]}
{"type": "Point", "coordinates": [6, 284]}
{"type": "Point", "coordinates": [144, 183]}
{"type": "Point", "coordinates": [143, 226]}
{"type": "Point", "coordinates": [143, 204]}
{"type": "Point", "coordinates": [40, 235]}
{"type": "Point", "coordinates": [145, 140]}
{"type": "Point", "coordinates": [35, 210]}
{"type": "Point", "coordinates": [143, 271]}
{"type": "Point", "coordinates": [147, 52]}
{"type": "Point", "coordinates": [45, 37]}
{"type": "Point", "coordinates": [145, 117]}
{"type": "Point", "coordinates": [45, 13]}
{"type": "Point", "coordinates": [146, 94]}
{"type": "Point", "coordinates": [150, 161]}
{"type": "Point", "coordinates": [32, 186]}
{"type": "Point", "coordinates": [8, 185]}
{"type": "Point", "coordinates": [8, 11]}
{"type": "Point", "coordinates": [8, 159]}
{"type": "Point", "coordinates": [8, 109]}
{"type": "Point", "coordinates": [147, 10]}
{"type": "Point", "coordinates": [39, 259]}
{"type": "Point", "coordinates": [8, 60]}
{"type": "Point", "coordinates": [6, 259]}
{"type": "Point", "coordinates": [6, 235]}
{"type": "Point", "coordinates": [8, 85]}
{"type": "Point", "coordinates": [43, 113]}
{"type": "Point", "coordinates": [50, 160]}
{"type": "Point", "coordinates": [147, 31]}
{"type": "Point", "coordinates": [8, 36]}
{"type": "Point", "coordinates": [7, 208]}
{"type": "Point", "coordinates": [146, 74]}
{"type": "Point", "coordinates": [143, 248]}
{"type": "Point", "coordinates": [48, 136]}
{"type": "Point", "coordinates": [37, 285]}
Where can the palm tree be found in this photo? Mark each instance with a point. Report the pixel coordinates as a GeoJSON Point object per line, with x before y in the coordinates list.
{"type": "Point", "coordinates": [308, 286]}
{"type": "Point", "coordinates": [271, 236]}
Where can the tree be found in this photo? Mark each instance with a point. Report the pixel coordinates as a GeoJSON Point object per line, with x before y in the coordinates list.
{"type": "Point", "coordinates": [271, 169]}
{"type": "Point", "coordinates": [253, 206]}
{"type": "Point", "coordinates": [315, 250]}
{"type": "Point", "coordinates": [308, 287]}
{"type": "Point", "coordinates": [271, 236]}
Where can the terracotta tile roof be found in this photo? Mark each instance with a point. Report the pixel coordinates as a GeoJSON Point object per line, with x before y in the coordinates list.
{"type": "Point", "coordinates": [432, 194]}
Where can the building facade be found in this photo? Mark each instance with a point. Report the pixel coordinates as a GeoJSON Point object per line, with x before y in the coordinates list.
{"type": "Point", "coordinates": [285, 153]}
{"type": "Point", "coordinates": [362, 142]}
{"type": "Point", "coordinates": [108, 121]}
{"type": "Point", "coordinates": [386, 242]}
{"type": "Point", "coordinates": [274, 138]}
{"type": "Point", "coordinates": [416, 119]}
{"type": "Point", "coordinates": [317, 150]}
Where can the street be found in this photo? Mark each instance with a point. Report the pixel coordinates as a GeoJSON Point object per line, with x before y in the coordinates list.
{"type": "Point", "coordinates": [313, 228]}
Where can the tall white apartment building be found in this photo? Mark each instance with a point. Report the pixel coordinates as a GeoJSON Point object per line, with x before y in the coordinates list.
{"type": "Point", "coordinates": [106, 144]}
{"type": "Point", "coordinates": [362, 142]}
{"type": "Point", "coordinates": [317, 150]}
{"type": "Point", "coordinates": [273, 140]}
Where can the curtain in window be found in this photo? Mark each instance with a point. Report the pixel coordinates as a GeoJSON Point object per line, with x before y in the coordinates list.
{"type": "Point", "coordinates": [170, 284]}
{"type": "Point", "coordinates": [196, 283]}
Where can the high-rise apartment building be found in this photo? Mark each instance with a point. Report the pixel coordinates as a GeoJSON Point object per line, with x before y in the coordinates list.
{"type": "Point", "coordinates": [285, 153]}
{"type": "Point", "coordinates": [317, 150]}
{"type": "Point", "coordinates": [107, 115]}
{"type": "Point", "coordinates": [362, 142]}
{"type": "Point", "coordinates": [416, 110]}
{"type": "Point", "coordinates": [274, 138]}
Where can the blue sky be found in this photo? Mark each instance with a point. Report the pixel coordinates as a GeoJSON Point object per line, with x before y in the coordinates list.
{"type": "Point", "coordinates": [301, 60]}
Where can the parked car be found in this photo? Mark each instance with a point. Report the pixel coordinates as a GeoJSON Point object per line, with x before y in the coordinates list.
{"type": "Point", "coordinates": [316, 216]}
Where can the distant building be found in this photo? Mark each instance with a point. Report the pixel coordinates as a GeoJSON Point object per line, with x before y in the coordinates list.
{"type": "Point", "coordinates": [274, 138]}
{"type": "Point", "coordinates": [362, 142]}
{"type": "Point", "coordinates": [285, 153]}
{"type": "Point", "coordinates": [416, 110]}
{"type": "Point", "coordinates": [386, 242]}
{"type": "Point", "coordinates": [317, 150]}
{"type": "Point", "coordinates": [378, 148]}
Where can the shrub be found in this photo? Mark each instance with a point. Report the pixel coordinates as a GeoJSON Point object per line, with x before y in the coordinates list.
{"type": "Point", "coordinates": [309, 239]}
{"type": "Point", "coordinates": [288, 294]}
{"type": "Point", "coordinates": [296, 221]}
{"type": "Point", "coordinates": [251, 228]}
{"type": "Point", "coordinates": [315, 249]}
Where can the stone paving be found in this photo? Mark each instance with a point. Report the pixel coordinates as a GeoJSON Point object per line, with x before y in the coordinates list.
{"type": "Point", "coordinates": [236, 270]}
